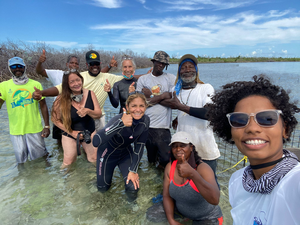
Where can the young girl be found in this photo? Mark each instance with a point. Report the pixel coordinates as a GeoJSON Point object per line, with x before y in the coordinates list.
{"type": "Point", "coordinates": [259, 117]}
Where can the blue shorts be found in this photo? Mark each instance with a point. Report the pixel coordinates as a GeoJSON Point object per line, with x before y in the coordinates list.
{"type": "Point", "coordinates": [28, 144]}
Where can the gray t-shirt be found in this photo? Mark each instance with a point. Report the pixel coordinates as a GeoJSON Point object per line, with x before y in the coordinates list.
{"type": "Point", "coordinates": [160, 116]}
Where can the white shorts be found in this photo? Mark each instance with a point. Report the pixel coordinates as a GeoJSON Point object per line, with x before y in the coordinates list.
{"type": "Point", "coordinates": [28, 144]}
{"type": "Point", "coordinates": [100, 123]}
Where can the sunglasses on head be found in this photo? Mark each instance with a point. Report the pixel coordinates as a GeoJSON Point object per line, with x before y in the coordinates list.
{"type": "Point", "coordinates": [267, 118]}
{"type": "Point", "coordinates": [94, 64]}
{"type": "Point", "coordinates": [70, 71]}
{"type": "Point", "coordinates": [127, 57]}
{"type": "Point", "coordinates": [17, 66]}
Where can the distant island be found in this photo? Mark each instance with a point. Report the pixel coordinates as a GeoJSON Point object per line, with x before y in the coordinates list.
{"type": "Point", "coordinates": [239, 59]}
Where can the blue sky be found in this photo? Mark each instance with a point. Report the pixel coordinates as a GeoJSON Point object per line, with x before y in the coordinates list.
{"type": "Point", "coordinates": [268, 28]}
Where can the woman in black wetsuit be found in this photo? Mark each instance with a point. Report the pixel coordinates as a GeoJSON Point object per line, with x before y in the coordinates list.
{"type": "Point", "coordinates": [121, 88]}
{"type": "Point", "coordinates": [114, 145]}
{"type": "Point", "coordinates": [74, 111]}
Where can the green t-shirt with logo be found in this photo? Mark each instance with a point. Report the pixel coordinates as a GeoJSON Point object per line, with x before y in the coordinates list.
{"type": "Point", "coordinates": [23, 111]}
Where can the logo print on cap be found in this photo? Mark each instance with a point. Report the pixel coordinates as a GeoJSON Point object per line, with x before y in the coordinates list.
{"type": "Point", "coordinates": [93, 56]}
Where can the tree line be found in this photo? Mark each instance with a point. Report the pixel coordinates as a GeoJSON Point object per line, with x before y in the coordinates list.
{"type": "Point", "coordinates": [56, 59]}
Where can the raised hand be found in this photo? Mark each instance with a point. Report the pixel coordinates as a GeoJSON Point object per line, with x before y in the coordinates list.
{"type": "Point", "coordinates": [126, 118]}
{"type": "Point", "coordinates": [43, 56]}
{"type": "Point", "coordinates": [37, 94]}
{"type": "Point", "coordinates": [184, 169]}
{"type": "Point", "coordinates": [107, 86]}
{"type": "Point", "coordinates": [131, 87]}
{"type": "Point", "coordinates": [113, 62]}
{"type": "Point", "coordinates": [150, 70]}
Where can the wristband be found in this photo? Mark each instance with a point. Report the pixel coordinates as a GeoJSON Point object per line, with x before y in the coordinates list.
{"type": "Point", "coordinates": [108, 66]}
{"type": "Point", "coordinates": [48, 127]}
{"type": "Point", "coordinates": [151, 96]}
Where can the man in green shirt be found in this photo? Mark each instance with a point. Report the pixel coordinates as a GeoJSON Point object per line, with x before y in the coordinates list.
{"type": "Point", "coordinates": [26, 131]}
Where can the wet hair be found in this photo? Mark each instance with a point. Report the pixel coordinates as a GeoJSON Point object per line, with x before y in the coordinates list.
{"type": "Point", "coordinates": [71, 57]}
{"type": "Point", "coordinates": [225, 100]}
{"type": "Point", "coordinates": [131, 97]}
{"type": "Point", "coordinates": [196, 158]}
{"type": "Point", "coordinates": [64, 101]}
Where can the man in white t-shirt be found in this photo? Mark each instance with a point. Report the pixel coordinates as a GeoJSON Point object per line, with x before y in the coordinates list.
{"type": "Point", "coordinates": [154, 85]}
{"type": "Point", "coordinates": [189, 97]}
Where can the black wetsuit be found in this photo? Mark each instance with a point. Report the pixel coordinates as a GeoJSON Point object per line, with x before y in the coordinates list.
{"type": "Point", "coordinates": [82, 123]}
{"type": "Point", "coordinates": [114, 149]}
{"type": "Point", "coordinates": [121, 92]}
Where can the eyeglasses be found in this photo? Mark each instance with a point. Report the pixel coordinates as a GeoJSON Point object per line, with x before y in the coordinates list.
{"type": "Point", "coordinates": [136, 92]}
{"type": "Point", "coordinates": [125, 57]}
{"type": "Point", "coordinates": [70, 71]}
{"type": "Point", "coordinates": [17, 66]}
{"type": "Point", "coordinates": [267, 118]}
{"type": "Point", "coordinates": [94, 63]}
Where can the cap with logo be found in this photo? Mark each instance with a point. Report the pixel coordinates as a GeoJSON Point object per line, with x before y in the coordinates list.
{"type": "Point", "coordinates": [162, 57]}
{"type": "Point", "coordinates": [15, 61]}
{"type": "Point", "coordinates": [92, 56]}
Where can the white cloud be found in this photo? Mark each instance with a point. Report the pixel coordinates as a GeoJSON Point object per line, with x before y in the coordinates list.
{"type": "Point", "coordinates": [194, 32]}
{"type": "Point", "coordinates": [254, 53]}
{"type": "Point", "coordinates": [223, 55]}
{"type": "Point", "coordinates": [284, 51]}
{"type": "Point", "coordinates": [142, 1]}
{"type": "Point", "coordinates": [180, 5]}
{"type": "Point", "coordinates": [107, 3]}
{"type": "Point", "coordinates": [62, 44]}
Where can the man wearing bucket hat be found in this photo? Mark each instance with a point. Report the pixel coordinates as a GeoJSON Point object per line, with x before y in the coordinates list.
{"type": "Point", "coordinates": [94, 80]}
{"type": "Point", "coordinates": [26, 131]}
{"type": "Point", "coordinates": [190, 96]}
{"type": "Point", "coordinates": [156, 86]}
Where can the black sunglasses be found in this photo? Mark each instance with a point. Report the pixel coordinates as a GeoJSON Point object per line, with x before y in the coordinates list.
{"type": "Point", "coordinates": [17, 66]}
{"type": "Point", "coordinates": [267, 118]}
{"type": "Point", "coordinates": [94, 63]}
{"type": "Point", "coordinates": [70, 71]}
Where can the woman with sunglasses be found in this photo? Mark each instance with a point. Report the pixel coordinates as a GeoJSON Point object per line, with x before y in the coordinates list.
{"type": "Point", "coordinates": [114, 145]}
{"type": "Point", "coordinates": [121, 88]}
{"type": "Point", "coordinates": [74, 112]}
{"type": "Point", "coordinates": [259, 117]}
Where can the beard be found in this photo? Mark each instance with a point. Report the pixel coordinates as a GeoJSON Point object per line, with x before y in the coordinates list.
{"type": "Point", "coordinates": [188, 77]}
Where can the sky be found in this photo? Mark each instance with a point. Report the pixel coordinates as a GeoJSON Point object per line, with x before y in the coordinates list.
{"type": "Point", "coordinates": [214, 28]}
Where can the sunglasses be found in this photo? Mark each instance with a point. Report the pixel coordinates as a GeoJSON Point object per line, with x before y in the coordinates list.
{"type": "Point", "coordinates": [94, 64]}
{"type": "Point", "coordinates": [266, 118]}
{"type": "Point", "coordinates": [70, 71]}
{"type": "Point", "coordinates": [136, 92]}
{"type": "Point", "coordinates": [127, 57]}
{"type": "Point", "coordinates": [17, 66]}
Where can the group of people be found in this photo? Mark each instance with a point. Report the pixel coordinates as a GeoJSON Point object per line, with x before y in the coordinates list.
{"type": "Point", "coordinates": [263, 193]}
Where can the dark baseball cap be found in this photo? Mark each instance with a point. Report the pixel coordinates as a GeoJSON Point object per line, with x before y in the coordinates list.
{"type": "Point", "coordinates": [92, 56]}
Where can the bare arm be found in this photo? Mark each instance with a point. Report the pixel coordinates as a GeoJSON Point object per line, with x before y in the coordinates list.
{"type": "Point", "coordinates": [112, 63]}
{"type": "Point", "coordinates": [45, 114]}
{"type": "Point", "coordinates": [38, 94]}
{"type": "Point", "coordinates": [1, 102]}
{"type": "Point", "coordinates": [168, 202]}
{"type": "Point", "coordinates": [39, 67]}
{"type": "Point", "coordinates": [203, 178]}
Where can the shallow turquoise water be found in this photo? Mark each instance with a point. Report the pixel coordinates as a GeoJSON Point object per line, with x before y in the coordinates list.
{"type": "Point", "coordinates": [40, 193]}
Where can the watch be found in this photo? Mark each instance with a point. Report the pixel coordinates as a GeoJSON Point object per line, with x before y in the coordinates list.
{"type": "Point", "coordinates": [151, 96]}
{"type": "Point", "coordinates": [108, 65]}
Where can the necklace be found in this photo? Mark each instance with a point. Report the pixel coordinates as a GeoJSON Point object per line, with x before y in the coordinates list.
{"type": "Point", "coordinates": [187, 100]}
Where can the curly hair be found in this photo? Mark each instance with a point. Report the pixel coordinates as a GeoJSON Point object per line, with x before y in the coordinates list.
{"type": "Point", "coordinates": [225, 100]}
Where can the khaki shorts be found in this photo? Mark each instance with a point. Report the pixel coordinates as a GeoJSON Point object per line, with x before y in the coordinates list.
{"type": "Point", "coordinates": [100, 123]}
{"type": "Point", "coordinates": [28, 144]}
